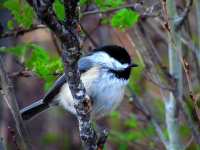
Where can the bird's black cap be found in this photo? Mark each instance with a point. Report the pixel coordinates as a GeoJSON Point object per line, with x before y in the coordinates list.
{"type": "Point", "coordinates": [117, 52]}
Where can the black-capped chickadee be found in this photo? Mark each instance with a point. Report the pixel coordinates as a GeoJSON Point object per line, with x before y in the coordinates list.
{"type": "Point", "coordinates": [104, 73]}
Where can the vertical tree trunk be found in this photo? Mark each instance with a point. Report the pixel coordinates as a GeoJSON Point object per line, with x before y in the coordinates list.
{"type": "Point", "coordinates": [174, 54]}
{"type": "Point", "coordinates": [198, 28]}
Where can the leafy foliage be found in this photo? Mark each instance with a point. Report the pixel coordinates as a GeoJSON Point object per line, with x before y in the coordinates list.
{"type": "Point", "coordinates": [134, 132]}
{"type": "Point", "coordinates": [39, 61]}
{"type": "Point", "coordinates": [18, 50]}
{"type": "Point", "coordinates": [124, 18]}
{"type": "Point", "coordinates": [59, 9]}
{"type": "Point", "coordinates": [83, 2]}
{"type": "Point", "coordinates": [131, 122]}
{"type": "Point", "coordinates": [21, 11]}
{"type": "Point", "coordinates": [106, 4]}
{"type": "Point", "coordinates": [43, 65]}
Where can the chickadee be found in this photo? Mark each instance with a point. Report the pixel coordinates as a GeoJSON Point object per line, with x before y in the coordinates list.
{"type": "Point", "coordinates": [104, 73]}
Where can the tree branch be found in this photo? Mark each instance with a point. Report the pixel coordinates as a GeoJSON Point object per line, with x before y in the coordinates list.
{"type": "Point", "coordinates": [68, 36]}
{"type": "Point", "coordinates": [151, 62]}
{"type": "Point", "coordinates": [183, 16]}
{"type": "Point", "coordinates": [7, 94]}
{"type": "Point", "coordinates": [20, 31]}
{"type": "Point", "coordinates": [149, 12]}
{"type": "Point", "coordinates": [182, 104]}
{"type": "Point", "coordinates": [138, 102]}
{"type": "Point", "coordinates": [1, 144]}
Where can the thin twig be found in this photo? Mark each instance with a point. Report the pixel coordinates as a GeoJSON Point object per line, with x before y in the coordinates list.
{"type": "Point", "coordinates": [138, 101]}
{"type": "Point", "coordinates": [1, 144]}
{"type": "Point", "coordinates": [150, 61]}
{"type": "Point", "coordinates": [14, 138]}
{"type": "Point", "coordinates": [22, 73]}
{"type": "Point", "coordinates": [155, 60]}
{"type": "Point", "coordinates": [188, 42]}
{"type": "Point", "coordinates": [20, 31]}
{"type": "Point", "coordinates": [58, 50]}
{"type": "Point", "coordinates": [183, 16]}
{"type": "Point", "coordinates": [149, 12]}
{"type": "Point", "coordinates": [155, 82]}
{"type": "Point", "coordinates": [134, 6]}
{"type": "Point", "coordinates": [88, 35]}
{"type": "Point", "coordinates": [165, 15]}
{"type": "Point", "coordinates": [8, 96]}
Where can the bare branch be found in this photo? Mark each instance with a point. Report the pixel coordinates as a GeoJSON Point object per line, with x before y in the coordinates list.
{"type": "Point", "coordinates": [138, 102]}
{"type": "Point", "coordinates": [1, 144]}
{"type": "Point", "coordinates": [20, 31]}
{"type": "Point", "coordinates": [7, 92]}
{"type": "Point", "coordinates": [150, 54]}
{"type": "Point", "coordinates": [88, 35]}
{"type": "Point", "coordinates": [57, 45]}
{"type": "Point", "coordinates": [183, 16]}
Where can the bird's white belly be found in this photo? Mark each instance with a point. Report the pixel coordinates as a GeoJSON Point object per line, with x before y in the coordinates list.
{"type": "Point", "coordinates": [107, 100]}
{"type": "Point", "coordinates": [104, 102]}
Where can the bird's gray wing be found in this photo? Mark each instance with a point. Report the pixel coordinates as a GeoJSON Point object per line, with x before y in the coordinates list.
{"type": "Point", "coordinates": [85, 64]}
{"type": "Point", "coordinates": [48, 98]}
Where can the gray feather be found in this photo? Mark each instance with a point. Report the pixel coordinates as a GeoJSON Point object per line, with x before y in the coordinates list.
{"type": "Point", "coordinates": [84, 64]}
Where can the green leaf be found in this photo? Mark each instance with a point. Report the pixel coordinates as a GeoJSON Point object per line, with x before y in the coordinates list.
{"type": "Point", "coordinates": [10, 24]}
{"type": "Point", "coordinates": [107, 4]}
{"type": "Point", "coordinates": [115, 114]}
{"type": "Point", "coordinates": [149, 131]}
{"type": "Point", "coordinates": [166, 134]}
{"type": "Point", "coordinates": [83, 2]}
{"type": "Point", "coordinates": [44, 66]}
{"type": "Point", "coordinates": [124, 18]}
{"type": "Point", "coordinates": [135, 135]}
{"type": "Point", "coordinates": [21, 11]}
{"type": "Point", "coordinates": [184, 130]}
{"type": "Point", "coordinates": [49, 80]}
{"type": "Point", "coordinates": [51, 138]}
{"type": "Point", "coordinates": [38, 60]}
{"type": "Point", "coordinates": [123, 146]}
{"type": "Point", "coordinates": [131, 122]}
{"type": "Point", "coordinates": [27, 16]}
{"type": "Point", "coordinates": [105, 21]}
{"type": "Point", "coordinates": [59, 9]}
{"type": "Point", "coordinates": [19, 50]}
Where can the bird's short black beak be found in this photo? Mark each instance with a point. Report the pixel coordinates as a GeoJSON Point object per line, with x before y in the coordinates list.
{"type": "Point", "coordinates": [133, 65]}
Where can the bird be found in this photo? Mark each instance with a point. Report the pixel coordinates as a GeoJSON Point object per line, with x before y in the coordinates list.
{"type": "Point", "coordinates": [104, 73]}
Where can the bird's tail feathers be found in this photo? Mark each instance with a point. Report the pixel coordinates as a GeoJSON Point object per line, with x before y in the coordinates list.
{"type": "Point", "coordinates": [33, 109]}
